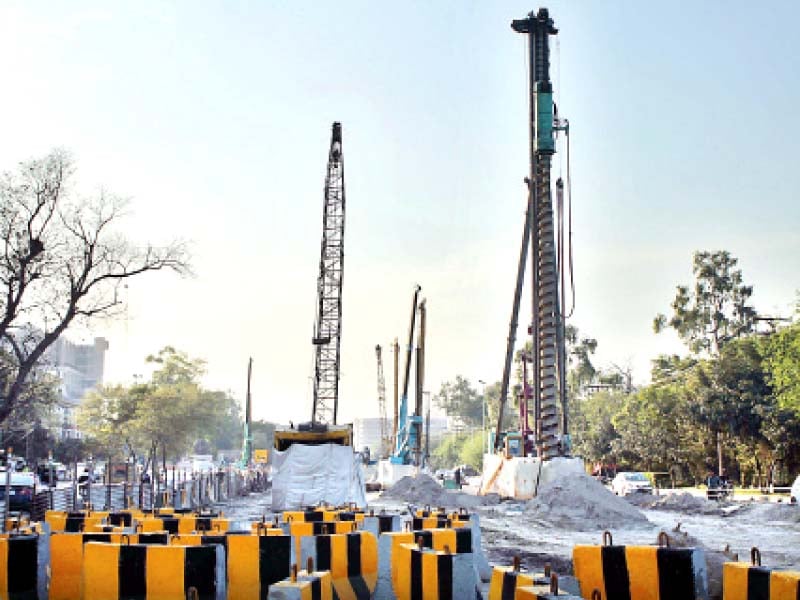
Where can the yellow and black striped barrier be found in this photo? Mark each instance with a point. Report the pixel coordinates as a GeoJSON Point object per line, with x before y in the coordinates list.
{"type": "Point", "coordinates": [640, 572]}
{"type": "Point", "coordinates": [381, 523]}
{"type": "Point", "coordinates": [302, 529]}
{"type": "Point", "coordinates": [112, 571]}
{"type": "Point", "coordinates": [307, 516]}
{"type": "Point", "coordinates": [305, 585]}
{"type": "Point", "coordinates": [73, 521]}
{"type": "Point", "coordinates": [507, 581]}
{"type": "Point", "coordinates": [66, 557]}
{"type": "Point", "coordinates": [743, 581]}
{"type": "Point", "coordinates": [254, 562]}
{"type": "Point", "coordinates": [351, 558]}
{"type": "Point", "coordinates": [183, 524]}
{"type": "Point", "coordinates": [19, 570]}
{"type": "Point", "coordinates": [420, 573]}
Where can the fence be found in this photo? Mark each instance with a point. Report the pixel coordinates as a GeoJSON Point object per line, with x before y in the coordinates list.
{"type": "Point", "coordinates": [179, 489]}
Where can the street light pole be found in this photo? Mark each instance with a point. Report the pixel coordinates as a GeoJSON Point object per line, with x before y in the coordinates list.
{"type": "Point", "coordinates": [483, 414]}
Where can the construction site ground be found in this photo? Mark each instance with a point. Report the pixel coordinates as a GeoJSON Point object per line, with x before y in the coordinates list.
{"type": "Point", "coordinates": [544, 530]}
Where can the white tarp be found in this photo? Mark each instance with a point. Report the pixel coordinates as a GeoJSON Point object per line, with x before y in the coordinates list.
{"type": "Point", "coordinates": [305, 475]}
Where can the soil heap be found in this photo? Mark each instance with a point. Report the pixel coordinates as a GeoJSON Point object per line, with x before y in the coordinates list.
{"type": "Point", "coordinates": [424, 490]}
{"type": "Point", "coordinates": [581, 503]}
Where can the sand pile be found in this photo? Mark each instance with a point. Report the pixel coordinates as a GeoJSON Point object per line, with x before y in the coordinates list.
{"type": "Point", "coordinates": [581, 503]}
{"type": "Point", "coordinates": [424, 490]}
{"type": "Point", "coordinates": [685, 503]}
{"type": "Point", "coordinates": [773, 511]}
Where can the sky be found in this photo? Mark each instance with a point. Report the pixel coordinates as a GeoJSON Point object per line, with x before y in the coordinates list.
{"type": "Point", "coordinates": [214, 119]}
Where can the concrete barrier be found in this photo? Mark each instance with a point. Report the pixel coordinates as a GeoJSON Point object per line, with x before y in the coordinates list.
{"type": "Point", "coordinates": [302, 529]}
{"type": "Point", "coordinates": [19, 567]}
{"type": "Point", "coordinates": [73, 521]}
{"type": "Point", "coordinates": [305, 586]}
{"type": "Point", "coordinates": [351, 558]}
{"type": "Point", "coordinates": [380, 524]}
{"type": "Point", "coordinates": [255, 563]}
{"type": "Point", "coordinates": [743, 581]}
{"type": "Point", "coordinates": [426, 574]}
{"type": "Point", "coordinates": [112, 571]}
{"type": "Point", "coordinates": [506, 581]}
{"type": "Point", "coordinates": [641, 572]}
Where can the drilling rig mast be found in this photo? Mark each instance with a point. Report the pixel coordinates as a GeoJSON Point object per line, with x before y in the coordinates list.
{"type": "Point", "coordinates": [328, 325]}
{"type": "Point", "coordinates": [547, 327]}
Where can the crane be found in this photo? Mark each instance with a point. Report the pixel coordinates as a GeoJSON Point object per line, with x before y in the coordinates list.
{"type": "Point", "coordinates": [328, 325]}
{"type": "Point", "coordinates": [386, 440]}
{"type": "Point", "coordinates": [548, 389]}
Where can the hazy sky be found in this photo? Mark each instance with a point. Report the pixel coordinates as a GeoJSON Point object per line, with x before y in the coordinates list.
{"type": "Point", "coordinates": [214, 118]}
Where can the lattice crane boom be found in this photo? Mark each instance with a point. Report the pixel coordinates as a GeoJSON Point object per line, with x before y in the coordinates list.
{"type": "Point", "coordinates": [328, 325]}
{"type": "Point", "coordinates": [386, 438]}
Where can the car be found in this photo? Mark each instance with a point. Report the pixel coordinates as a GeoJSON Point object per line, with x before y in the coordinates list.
{"type": "Point", "coordinates": [794, 493]}
{"type": "Point", "coordinates": [627, 483]}
{"type": "Point", "coordinates": [21, 492]}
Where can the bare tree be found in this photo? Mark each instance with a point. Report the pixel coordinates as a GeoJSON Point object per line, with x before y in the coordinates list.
{"type": "Point", "coordinates": [60, 260]}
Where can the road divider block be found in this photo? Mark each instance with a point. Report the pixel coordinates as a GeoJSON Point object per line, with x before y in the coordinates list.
{"type": "Point", "coordinates": [20, 573]}
{"type": "Point", "coordinates": [420, 573]}
{"type": "Point", "coordinates": [641, 572]}
{"type": "Point", "coordinates": [743, 581]}
{"type": "Point", "coordinates": [351, 558]}
{"type": "Point", "coordinates": [112, 571]}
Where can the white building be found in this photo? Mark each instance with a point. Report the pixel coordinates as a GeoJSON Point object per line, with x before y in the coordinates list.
{"type": "Point", "coordinates": [80, 367]}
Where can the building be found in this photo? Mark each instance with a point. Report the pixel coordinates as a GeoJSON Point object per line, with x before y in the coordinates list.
{"type": "Point", "coordinates": [80, 368]}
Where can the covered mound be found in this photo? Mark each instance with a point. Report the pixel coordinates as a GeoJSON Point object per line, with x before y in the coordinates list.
{"type": "Point", "coordinates": [579, 502]}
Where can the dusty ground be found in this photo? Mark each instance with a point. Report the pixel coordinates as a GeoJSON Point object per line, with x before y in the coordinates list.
{"type": "Point", "coordinates": [518, 528]}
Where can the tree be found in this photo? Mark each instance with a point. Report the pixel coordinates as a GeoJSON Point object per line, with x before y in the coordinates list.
{"type": "Point", "coordinates": [61, 260]}
{"type": "Point", "coordinates": [782, 362]}
{"type": "Point", "coordinates": [460, 399]}
{"type": "Point", "coordinates": [170, 414]}
{"type": "Point", "coordinates": [715, 311]}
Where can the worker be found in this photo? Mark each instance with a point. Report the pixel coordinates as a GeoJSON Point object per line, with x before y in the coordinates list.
{"type": "Point", "coordinates": [457, 476]}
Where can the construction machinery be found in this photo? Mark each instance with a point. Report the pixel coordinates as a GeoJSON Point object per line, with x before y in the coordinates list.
{"type": "Point", "coordinates": [328, 325]}
{"type": "Point", "coordinates": [247, 437]}
{"type": "Point", "coordinates": [549, 436]}
{"type": "Point", "coordinates": [296, 466]}
{"type": "Point", "coordinates": [386, 437]}
{"type": "Point", "coordinates": [407, 455]}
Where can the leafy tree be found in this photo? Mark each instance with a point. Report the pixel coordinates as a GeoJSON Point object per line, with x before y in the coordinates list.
{"type": "Point", "coordinates": [61, 261]}
{"type": "Point", "coordinates": [447, 453]}
{"type": "Point", "coordinates": [460, 399]}
{"type": "Point", "coordinates": [715, 310]}
{"type": "Point", "coordinates": [730, 396]}
{"type": "Point", "coordinates": [170, 413]}
{"type": "Point", "coordinates": [782, 362]}
{"type": "Point", "coordinates": [593, 429]}
{"type": "Point", "coordinates": [472, 451]}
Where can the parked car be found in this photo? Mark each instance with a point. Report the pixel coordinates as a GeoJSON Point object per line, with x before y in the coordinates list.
{"type": "Point", "coordinates": [794, 493]}
{"type": "Point", "coordinates": [627, 483]}
{"type": "Point", "coordinates": [21, 492]}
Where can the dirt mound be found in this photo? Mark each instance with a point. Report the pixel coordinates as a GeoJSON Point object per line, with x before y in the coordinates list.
{"type": "Point", "coordinates": [424, 490]}
{"type": "Point", "coordinates": [687, 504]}
{"type": "Point", "coordinates": [769, 511]}
{"type": "Point", "coordinates": [579, 502]}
